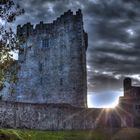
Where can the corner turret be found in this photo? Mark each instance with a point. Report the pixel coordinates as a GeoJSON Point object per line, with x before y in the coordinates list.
{"type": "Point", "coordinates": [127, 86]}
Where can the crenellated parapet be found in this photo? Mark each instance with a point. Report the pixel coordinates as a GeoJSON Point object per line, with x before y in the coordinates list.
{"type": "Point", "coordinates": [52, 60]}
{"type": "Point", "coordinates": [46, 28]}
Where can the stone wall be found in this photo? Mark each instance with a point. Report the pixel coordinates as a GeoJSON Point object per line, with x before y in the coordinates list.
{"type": "Point", "coordinates": [55, 117]}
{"type": "Point", "coordinates": [52, 62]}
{"type": "Point", "coordinates": [132, 106]}
{"type": "Point", "coordinates": [130, 102]}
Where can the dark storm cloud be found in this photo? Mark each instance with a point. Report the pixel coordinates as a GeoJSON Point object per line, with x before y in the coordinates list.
{"type": "Point", "coordinates": [116, 47]}
{"type": "Point", "coordinates": [112, 31]}
{"type": "Point", "coordinates": [111, 9]}
{"type": "Point", "coordinates": [104, 82]}
{"type": "Point", "coordinates": [114, 35]}
{"type": "Point", "coordinates": [46, 10]}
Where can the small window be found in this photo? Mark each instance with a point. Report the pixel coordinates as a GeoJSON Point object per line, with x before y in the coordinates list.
{"type": "Point", "coordinates": [40, 67]}
{"type": "Point", "coordinates": [63, 46]}
{"type": "Point", "coordinates": [44, 43]}
{"type": "Point", "coordinates": [41, 79]}
{"type": "Point", "coordinates": [61, 67]}
{"type": "Point", "coordinates": [61, 81]}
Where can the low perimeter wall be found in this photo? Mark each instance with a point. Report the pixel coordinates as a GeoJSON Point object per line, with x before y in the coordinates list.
{"type": "Point", "coordinates": [54, 117]}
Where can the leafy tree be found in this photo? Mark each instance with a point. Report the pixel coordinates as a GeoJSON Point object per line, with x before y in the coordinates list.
{"type": "Point", "coordinates": [8, 40]}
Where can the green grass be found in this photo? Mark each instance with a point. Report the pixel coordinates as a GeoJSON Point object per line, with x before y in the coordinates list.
{"type": "Point", "coordinates": [99, 134]}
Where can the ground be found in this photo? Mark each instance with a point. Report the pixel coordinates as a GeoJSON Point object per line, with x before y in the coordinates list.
{"type": "Point", "coordinates": [98, 134]}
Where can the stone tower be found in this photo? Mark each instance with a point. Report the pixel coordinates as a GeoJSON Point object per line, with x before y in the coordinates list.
{"type": "Point", "coordinates": [52, 62]}
{"type": "Point", "coordinates": [127, 84]}
{"type": "Point", "coordinates": [130, 103]}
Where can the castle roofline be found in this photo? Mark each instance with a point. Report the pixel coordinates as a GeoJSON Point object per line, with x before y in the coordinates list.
{"type": "Point", "coordinates": [29, 29]}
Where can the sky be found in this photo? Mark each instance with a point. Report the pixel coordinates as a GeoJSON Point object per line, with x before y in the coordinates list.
{"type": "Point", "coordinates": [113, 27]}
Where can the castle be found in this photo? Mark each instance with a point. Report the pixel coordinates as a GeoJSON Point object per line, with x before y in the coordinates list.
{"type": "Point", "coordinates": [130, 102]}
{"type": "Point", "coordinates": [50, 92]}
{"type": "Point", "coordinates": [52, 62]}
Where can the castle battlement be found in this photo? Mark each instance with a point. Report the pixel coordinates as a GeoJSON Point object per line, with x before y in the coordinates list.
{"type": "Point", "coordinates": [44, 28]}
{"type": "Point", "coordinates": [52, 62]}
{"type": "Point", "coordinates": [50, 90]}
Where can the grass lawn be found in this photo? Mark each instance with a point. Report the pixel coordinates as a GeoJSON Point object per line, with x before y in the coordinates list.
{"type": "Point", "coordinates": [99, 134]}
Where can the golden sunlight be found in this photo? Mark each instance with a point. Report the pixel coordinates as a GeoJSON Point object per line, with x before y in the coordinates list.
{"type": "Point", "coordinates": [91, 103]}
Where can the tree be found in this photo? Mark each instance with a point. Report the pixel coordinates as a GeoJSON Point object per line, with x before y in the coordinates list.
{"type": "Point", "coordinates": [8, 40]}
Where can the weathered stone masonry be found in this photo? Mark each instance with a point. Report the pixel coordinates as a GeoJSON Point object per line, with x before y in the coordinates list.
{"type": "Point", "coordinates": [55, 117]}
{"type": "Point", "coordinates": [51, 88]}
{"type": "Point", "coordinates": [52, 62]}
{"type": "Point", "coordinates": [45, 116]}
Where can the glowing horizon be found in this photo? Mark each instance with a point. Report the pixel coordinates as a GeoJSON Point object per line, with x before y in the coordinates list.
{"type": "Point", "coordinates": [94, 100]}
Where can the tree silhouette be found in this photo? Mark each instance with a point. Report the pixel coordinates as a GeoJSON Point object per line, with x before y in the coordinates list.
{"type": "Point", "coordinates": [8, 40]}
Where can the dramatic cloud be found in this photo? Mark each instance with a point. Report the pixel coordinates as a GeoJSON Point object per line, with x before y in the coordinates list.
{"type": "Point", "coordinates": [114, 52]}
{"type": "Point", "coordinates": [113, 27]}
